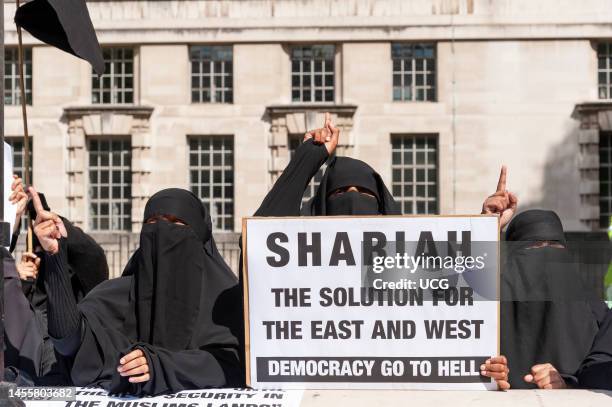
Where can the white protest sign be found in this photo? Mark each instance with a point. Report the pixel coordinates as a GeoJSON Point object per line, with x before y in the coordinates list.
{"type": "Point", "coordinates": [371, 302]}
{"type": "Point", "coordinates": [10, 211]}
{"type": "Point", "coordinates": [89, 397]}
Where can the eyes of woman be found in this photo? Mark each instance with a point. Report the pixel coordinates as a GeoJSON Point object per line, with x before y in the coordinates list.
{"type": "Point", "coordinates": [342, 190]}
{"type": "Point", "coordinates": [546, 243]}
{"type": "Point", "coordinates": [167, 218]}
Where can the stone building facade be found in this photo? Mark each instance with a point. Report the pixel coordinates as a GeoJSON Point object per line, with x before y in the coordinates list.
{"type": "Point", "coordinates": [214, 95]}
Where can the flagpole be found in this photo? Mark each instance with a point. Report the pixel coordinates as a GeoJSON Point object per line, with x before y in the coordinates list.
{"type": "Point", "coordinates": [26, 135]}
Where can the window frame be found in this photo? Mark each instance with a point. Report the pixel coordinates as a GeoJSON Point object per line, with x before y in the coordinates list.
{"type": "Point", "coordinates": [15, 89]}
{"type": "Point", "coordinates": [209, 169]}
{"type": "Point", "coordinates": [312, 75]}
{"type": "Point", "coordinates": [606, 70]}
{"type": "Point", "coordinates": [212, 74]}
{"type": "Point", "coordinates": [111, 76]}
{"type": "Point", "coordinates": [414, 198]}
{"type": "Point", "coordinates": [126, 216]}
{"type": "Point", "coordinates": [607, 167]}
{"type": "Point", "coordinates": [414, 71]}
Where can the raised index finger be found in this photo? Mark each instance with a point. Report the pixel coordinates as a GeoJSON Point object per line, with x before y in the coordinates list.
{"type": "Point", "coordinates": [501, 184]}
{"type": "Point", "coordinates": [38, 207]}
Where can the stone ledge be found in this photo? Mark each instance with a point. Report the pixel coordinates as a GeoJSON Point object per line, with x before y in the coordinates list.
{"type": "Point", "coordinates": [132, 110]}
{"type": "Point", "coordinates": [344, 109]}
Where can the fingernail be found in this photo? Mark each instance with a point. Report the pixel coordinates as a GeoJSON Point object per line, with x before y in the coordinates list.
{"type": "Point", "coordinates": [327, 138]}
{"type": "Point", "coordinates": [483, 367]}
{"type": "Point", "coordinates": [122, 361]}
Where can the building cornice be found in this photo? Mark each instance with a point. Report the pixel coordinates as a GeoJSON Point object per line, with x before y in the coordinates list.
{"type": "Point", "coordinates": [143, 112]}
{"type": "Point", "coordinates": [343, 109]}
{"type": "Point", "coordinates": [591, 107]}
{"type": "Point", "coordinates": [256, 21]}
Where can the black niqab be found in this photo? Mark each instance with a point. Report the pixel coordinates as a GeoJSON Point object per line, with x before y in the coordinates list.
{"type": "Point", "coordinates": [536, 225]}
{"type": "Point", "coordinates": [345, 172]}
{"type": "Point", "coordinates": [546, 315]}
{"type": "Point", "coordinates": [177, 301]}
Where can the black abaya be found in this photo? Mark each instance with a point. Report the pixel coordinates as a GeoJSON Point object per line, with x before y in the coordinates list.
{"type": "Point", "coordinates": [30, 350]}
{"type": "Point", "coordinates": [596, 370]}
{"type": "Point", "coordinates": [547, 315]}
{"type": "Point", "coordinates": [285, 197]}
{"type": "Point", "coordinates": [87, 263]}
{"type": "Point", "coordinates": [178, 302]}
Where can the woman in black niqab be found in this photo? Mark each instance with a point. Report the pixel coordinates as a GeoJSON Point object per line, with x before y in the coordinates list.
{"type": "Point", "coordinates": [547, 314]}
{"type": "Point", "coordinates": [177, 302]}
{"type": "Point", "coordinates": [351, 187]}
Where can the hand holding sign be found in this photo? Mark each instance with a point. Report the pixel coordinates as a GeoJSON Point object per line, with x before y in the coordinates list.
{"type": "Point", "coordinates": [328, 135]}
{"type": "Point", "coordinates": [49, 227]}
{"type": "Point", "coordinates": [502, 202]}
{"type": "Point", "coordinates": [497, 369]}
{"type": "Point", "coordinates": [545, 376]}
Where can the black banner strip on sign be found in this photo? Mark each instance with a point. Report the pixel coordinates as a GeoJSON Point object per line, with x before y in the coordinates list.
{"type": "Point", "coordinates": [371, 369]}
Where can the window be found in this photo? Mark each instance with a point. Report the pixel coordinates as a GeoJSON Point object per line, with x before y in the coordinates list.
{"type": "Point", "coordinates": [211, 74]}
{"type": "Point", "coordinates": [312, 73]}
{"type": "Point", "coordinates": [18, 166]}
{"type": "Point", "coordinates": [414, 72]}
{"type": "Point", "coordinates": [211, 177]}
{"type": "Point", "coordinates": [12, 92]}
{"type": "Point", "coordinates": [294, 142]}
{"type": "Point", "coordinates": [116, 86]}
{"type": "Point", "coordinates": [605, 178]}
{"type": "Point", "coordinates": [414, 173]}
{"type": "Point", "coordinates": [110, 184]}
{"type": "Point", "coordinates": [604, 68]}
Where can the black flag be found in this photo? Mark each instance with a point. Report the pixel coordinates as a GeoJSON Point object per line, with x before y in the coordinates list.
{"type": "Point", "coordinates": [65, 24]}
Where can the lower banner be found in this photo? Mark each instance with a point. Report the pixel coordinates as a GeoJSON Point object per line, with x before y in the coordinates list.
{"type": "Point", "coordinates": [91, 397]}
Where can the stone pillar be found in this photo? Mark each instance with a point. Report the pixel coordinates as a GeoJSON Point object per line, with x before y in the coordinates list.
{"type": "Point", "coordinates": [75, 168]}
{"type": "Point", "coordinates": [288, 120]}
{"type": "Point", "coordinates": [141, 169]}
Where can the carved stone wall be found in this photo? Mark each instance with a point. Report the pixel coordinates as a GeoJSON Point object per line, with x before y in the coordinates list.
{"type": "Point", "coordinates": [113, 121]}
{"type": "Point", "coordinates": [291, 119]}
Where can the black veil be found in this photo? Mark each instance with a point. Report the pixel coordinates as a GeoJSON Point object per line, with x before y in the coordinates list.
{"type": "Point", "coordinates": [177, 301]}
{"type": "Point", "coordinates": [344, 172]}
{"type": "Point", "coordinates": [547, 314]}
